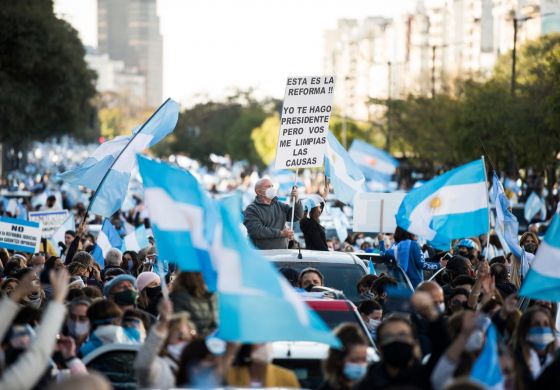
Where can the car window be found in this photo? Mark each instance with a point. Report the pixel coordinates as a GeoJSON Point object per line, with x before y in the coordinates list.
{"type": "Point", "coordinates": [391, 270]}
{"type": "Point", "coordinates": [338, 276]}
{"type": "Point", "coordinates": [335, 318]}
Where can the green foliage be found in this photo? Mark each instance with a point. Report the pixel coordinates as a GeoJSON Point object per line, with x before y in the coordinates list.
{"type": "Point", "coordinates": [265, 138]}
{"type": "Point", "coordinates": [517, 131]}
{"type": "Point", "coordinates": [220, 128]}
{"type": "Point", "coordinates": [45, 85]}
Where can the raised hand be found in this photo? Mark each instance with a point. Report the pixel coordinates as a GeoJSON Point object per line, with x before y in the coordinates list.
{"type": "Point", "coordinates": [59, 282]}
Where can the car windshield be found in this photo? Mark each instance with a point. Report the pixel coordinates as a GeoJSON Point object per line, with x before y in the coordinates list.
{"type": "Point", "coordinates": [342, 277]}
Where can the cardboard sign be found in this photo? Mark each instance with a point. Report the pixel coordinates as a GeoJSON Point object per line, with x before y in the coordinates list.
{"type": "Point", "coordinates": [302, 141]}
{"type": "Point", "coordinates": [375, 212]}
{"type": "Point", "coordinates": [50, 220]}
{"type": "Point", "coordinates": [18, 235]}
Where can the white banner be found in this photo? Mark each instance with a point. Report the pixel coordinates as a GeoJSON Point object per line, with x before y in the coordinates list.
{"type": "Point", "coordinates": [50, 220]}
{"type": "Point", "coordinates": [375, 211]}
{"type": "Point", "coordinates": [302, 141]}
{"type": "Point", "coordinates": [19, 235]}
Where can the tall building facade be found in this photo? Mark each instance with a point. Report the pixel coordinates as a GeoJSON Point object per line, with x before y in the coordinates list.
{"type": "Point", "coordinates": [428, 49]}
{"type": "Point", "coordinates": [128, 31]}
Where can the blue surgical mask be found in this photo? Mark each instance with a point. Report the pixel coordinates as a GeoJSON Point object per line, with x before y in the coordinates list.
{"type": "Point", "coordinates": [135, 334]}
{"type": "Point", "coordinates": [130, 265]}
{"type": "Point", "coordinates": [540, 337]}
{"type": "Point", "coordinates": [355, 371]}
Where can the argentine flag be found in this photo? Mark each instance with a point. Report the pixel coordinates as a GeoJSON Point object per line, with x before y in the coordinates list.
{"type": "Point", "coordinates": [285, 180]}
{"type": "Point", "coordinates": [108, 170]}
{"type": "Point", "coordinates": [533, 205]}
{"type": "Point", "coordinates": [256, 304]}
{"type": "Point", "coordinates": [543, 279]}
{"type": "Point", "coordinates": [506, 223]}
{"type": "Point", "coordinates": [107, 239]}
{"type": "Point", "coordinates": [452, 205]}
{"type": "Point", "coordinates": [486, 368]}
{"type": "Point", "coordinates": [376, 164]}
{"type": "Point", "coordinates": [345, 176]}
{"type": "Point", "coordinates": [58, 236]}
{"type": "Point", "coordinates": [135, 240]}
{"type": "Point", "coordinates": [183, 217]}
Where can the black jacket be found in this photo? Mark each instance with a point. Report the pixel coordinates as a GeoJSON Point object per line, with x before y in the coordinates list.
{"type": "Point", "coordinates": [417, 376]}
{"type": "Point", "coordinates": [314, 235]}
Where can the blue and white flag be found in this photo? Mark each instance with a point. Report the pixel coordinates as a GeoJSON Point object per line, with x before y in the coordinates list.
{"type": "Point", "coordinates": [58, 236]}
{"type": "Point", "coordinates": [108, 171]}
{"type": "Point", "coordinates": [285, 180]}
{"type": "Point", "coordinates": [543, 279]}
{"type": "Point", "coordinates": [107, 239]}
{"type": "Point", "coordinates": [183, 217]}
{"type": "Point", "coordinates": [486, 368]}
{"type": "Point", "coordinates": [136, 240]}
{"type": "Point", "coordinates": [506, 223]}
{"type": "Point", "coordinates": [340, 222]}
{"type": "Point", "coordinates": [256, 304]}
{"type": "Point", "coordinates": [344, 174]}
{"type": "Point", "coordinates": [376, 164]}
{"type": "Point", "coordinates": [450, 206]}
{"type": "Point", "coordinates": [533, 205]}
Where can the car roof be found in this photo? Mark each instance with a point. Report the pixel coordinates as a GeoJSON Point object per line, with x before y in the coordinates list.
{"type": "Point", "coordinates": [287, 255]}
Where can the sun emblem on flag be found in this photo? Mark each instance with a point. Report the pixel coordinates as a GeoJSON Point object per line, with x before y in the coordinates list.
{"type": "Point", "coordinates": [333, 158]}
{"type": "Point", "coordinates": [435, 202]}
{"type": "Point", "coordinates": [371, 161]}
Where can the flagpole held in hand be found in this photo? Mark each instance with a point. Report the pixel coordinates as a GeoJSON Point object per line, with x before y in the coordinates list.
{"type": "Point", "coordinates": [488, 206]}
{"type": "Point", "coordinates": [294, 201]}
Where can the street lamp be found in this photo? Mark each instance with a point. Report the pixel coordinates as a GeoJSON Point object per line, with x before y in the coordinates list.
{"type": "Point", "coordinates": [516, 22]}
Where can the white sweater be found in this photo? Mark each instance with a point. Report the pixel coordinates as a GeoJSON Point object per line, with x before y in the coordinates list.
{"type": "Point", "coordinates": [30, 366]}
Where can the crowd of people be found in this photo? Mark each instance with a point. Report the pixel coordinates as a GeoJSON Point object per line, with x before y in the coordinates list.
{"type": "Point", "coordinates": [61, 309]}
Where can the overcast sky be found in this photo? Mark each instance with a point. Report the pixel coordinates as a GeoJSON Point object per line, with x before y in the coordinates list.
{"type": "Point", "coordinates": [211, 46]}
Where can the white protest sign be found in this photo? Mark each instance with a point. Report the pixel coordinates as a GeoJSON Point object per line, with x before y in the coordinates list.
{"type": "Point", "coordinates": [50, 220]}
{"type": "Point", "coordinates": [375, 212]}
{"type": "Point", "coordinates": [18, 235]}
{"type": "Point", "coordinates": [302, 141]}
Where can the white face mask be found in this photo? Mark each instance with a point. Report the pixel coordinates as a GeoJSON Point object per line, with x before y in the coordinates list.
{"type": "Point", "coordinates": [175, 350]}
{"type": "Point", "coordinates": [475, 341]}
{"type": "Point", "coordinates": [78, 328]}
{"type": "Point", "coordinates": [441, 307]}
{"type": "Point", "coordinates": [373, 324]}
{"type": "Point", "coordinates": [262, 354]}
{"type": "Point", "coordinates": [271, 192]}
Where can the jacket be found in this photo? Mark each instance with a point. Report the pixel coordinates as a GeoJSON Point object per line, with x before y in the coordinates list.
{"type": "Point", "coordinates": [31, 365]}
{"type": "Point", "coordinates": [416, 376]}
{"type": "Point", "coordinates": [108, 334]}
{"type": "Point", "coordinates": [238, 376]}
{"type": "Point", "coordinates": [153, 371]}
{"type": "Point", "coordinates": [203, 311]}
{"type": "Point", "coordinates": [314, 234]}
{"type": "Point", "coordinates": [264, 222]}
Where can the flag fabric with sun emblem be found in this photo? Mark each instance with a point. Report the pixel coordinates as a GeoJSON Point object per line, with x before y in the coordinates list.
{"type": "Point", "coordinates": [376, 164]}
{"type": "Point", "coordinates": [345, 176]}
{"type": "Point", "coordinates": [452, 205]}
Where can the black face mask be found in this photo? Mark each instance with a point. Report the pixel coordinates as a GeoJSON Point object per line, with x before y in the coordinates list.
{"type": "Point", "coordinates": [310, 287]}
{"type": "Point", "coordinates": [397, 354]}
{"type": "Point", "coordinates": [530, 247]}
{"type": "Point", "coordinates": [153, 292]}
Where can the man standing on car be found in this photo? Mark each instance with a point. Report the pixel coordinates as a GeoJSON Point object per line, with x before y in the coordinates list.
{"type": "Point", "coordinates": [266, 217]}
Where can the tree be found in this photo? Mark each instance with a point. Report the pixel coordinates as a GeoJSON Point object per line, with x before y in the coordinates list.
{"type": "Point", "coordinates": [265, 139]}
{"type": "Point", "coordinates": [45, 85]}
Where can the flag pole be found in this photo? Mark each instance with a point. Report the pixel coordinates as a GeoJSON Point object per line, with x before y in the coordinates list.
{"type": "Point", "coordinates": [294, 201]}
{"type": "Point", "coordinates": [117, 158]}
{"type": "Point", "coordinates": [487, 207]}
